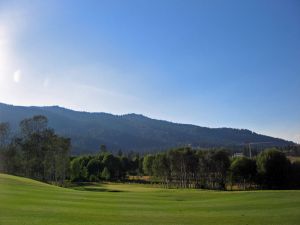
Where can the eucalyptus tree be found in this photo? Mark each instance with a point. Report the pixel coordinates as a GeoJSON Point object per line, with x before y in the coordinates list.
{"type": "Point", "coordinates": [45, 155]}
{"type": "Point", "coordinates": [148, 164]}
{"type": "Point", "coordinates": [161, 168]}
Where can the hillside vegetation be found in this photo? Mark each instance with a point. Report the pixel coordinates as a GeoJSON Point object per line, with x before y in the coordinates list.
{"type": "Point", "coordinates": [131, 132]}
{"type": "Point", "coordinates": [28, 202]}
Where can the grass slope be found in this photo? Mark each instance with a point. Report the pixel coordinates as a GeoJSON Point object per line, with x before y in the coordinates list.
{"type": "Point", "coordinates": [27, 202]}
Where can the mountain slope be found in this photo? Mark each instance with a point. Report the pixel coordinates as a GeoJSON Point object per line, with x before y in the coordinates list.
{"type": "Point", "coordinates": [130, 132]}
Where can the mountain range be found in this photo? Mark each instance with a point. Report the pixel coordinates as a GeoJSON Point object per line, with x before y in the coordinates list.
{"type": "Point", "coordinates": [131, 131]}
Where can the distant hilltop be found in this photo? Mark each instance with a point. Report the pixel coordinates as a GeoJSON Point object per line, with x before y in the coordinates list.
{"type": "Point", "coordinates": [131, 131]}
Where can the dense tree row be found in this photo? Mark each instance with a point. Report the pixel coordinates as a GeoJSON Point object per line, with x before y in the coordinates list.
{"type": "Point", "coordinates": [215, 169]}
{"type": "Point", "coordinates": [105, 166]}
{"type": "Point", "coordinates": [188, 168]}
{"type": "Point", "coordinates": [37, 152]}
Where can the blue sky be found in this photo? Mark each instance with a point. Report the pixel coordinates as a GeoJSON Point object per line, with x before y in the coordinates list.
{"type": "Point", "coordinates": [210, 63]}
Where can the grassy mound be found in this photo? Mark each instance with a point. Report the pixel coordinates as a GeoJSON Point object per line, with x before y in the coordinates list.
{"type": "Point", "coordinates": [27, 202]}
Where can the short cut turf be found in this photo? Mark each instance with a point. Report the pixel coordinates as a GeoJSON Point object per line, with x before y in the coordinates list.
{"type": "Point", "coordinates": [27, 202]}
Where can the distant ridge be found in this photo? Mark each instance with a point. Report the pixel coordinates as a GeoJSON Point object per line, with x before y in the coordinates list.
{"type": "Point", "coordinates": [131, 131]}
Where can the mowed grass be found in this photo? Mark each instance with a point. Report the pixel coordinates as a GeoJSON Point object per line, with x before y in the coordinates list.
{"type": "Point", "coordinates": [27, 202]}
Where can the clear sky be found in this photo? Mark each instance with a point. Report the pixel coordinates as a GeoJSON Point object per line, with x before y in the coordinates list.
{"type": "Point", "coordinates": [210, 63]}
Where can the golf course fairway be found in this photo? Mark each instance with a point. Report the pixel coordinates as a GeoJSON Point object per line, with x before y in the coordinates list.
{"type": "Point", "coordinates": [27, 202]}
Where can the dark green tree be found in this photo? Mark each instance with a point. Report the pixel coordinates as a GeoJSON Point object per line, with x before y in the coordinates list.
{"type": "Point", "coordinates": [243, 171]}
{"type": "Point", "coordinates": [94, 167]}
{"type": "Point", "coordinates": [113, 164]}
{"type": "Point", "coordinates": [294, 178]}
{"type": "Point", "coordinates": [273, 168]}
{"type": "Point", "coordinates": [4, 133]}
{"type": "Point", "coordinates": [220, 164]}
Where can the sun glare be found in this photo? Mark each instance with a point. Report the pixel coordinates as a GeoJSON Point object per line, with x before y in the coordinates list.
{"type": "Point", "coordinates": [17, 76]}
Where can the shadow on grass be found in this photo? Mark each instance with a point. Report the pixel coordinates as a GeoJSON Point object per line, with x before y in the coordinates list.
{"type": "Point", "coordinates": [98, 189]}
{"type": "Point", "coordinates": [179, 200]}
{"type": "Point", "coordinates": [93, 187]}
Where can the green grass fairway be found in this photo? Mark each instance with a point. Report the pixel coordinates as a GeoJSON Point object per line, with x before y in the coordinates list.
{"type": "Point", "coordinates": [27, 202]}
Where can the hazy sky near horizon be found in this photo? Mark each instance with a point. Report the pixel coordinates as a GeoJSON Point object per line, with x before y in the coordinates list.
{"type": "Point", "coordinates": [210, 63]}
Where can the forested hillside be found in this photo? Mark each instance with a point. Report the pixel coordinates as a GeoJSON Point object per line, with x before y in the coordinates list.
{"type": "Point", "coordinates": [130, 132]}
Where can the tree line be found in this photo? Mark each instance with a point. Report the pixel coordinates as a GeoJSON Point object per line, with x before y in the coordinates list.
{"type": "Point", "coordinates": [36, 152]}
{"type": "Point", "coordinates": [188, 168]}
{"type": "Point", "coordinates": [216, 169]}
{"type": "Point", "coordinates": [105, 166]}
